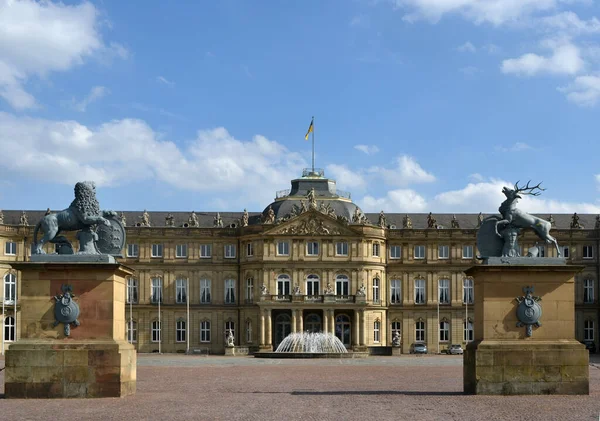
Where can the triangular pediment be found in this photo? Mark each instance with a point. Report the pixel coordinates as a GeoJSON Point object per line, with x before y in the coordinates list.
{"type": "Point", "coordinates": [311, 222]}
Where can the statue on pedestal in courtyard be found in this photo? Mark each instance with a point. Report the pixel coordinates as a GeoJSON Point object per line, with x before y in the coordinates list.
{"type": "Point", "coordinates": [396, 340]}
{"type": "Point", "coordinates": [99, 232]}
{"type": "Point", "coordinates": [498, 235]}
{"type": "Point", "coordinates": [230, 339]}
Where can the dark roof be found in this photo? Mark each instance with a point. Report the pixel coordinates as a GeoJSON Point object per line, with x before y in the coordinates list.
{"type": "Point", "coordinates": [206, 219]}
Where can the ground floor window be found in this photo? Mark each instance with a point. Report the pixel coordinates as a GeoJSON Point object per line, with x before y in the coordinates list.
{"type": "Point", "coordinates": [9, 329]}
{"type": "Point", "coordinates": [588, 330]}
{"type": "Point", "coordinates": [420, 331]}
{"type": "Point", "coordinates": [343, 328]}
{"type": "Point", "coordinates": [248, 331]}
{"type": "Point", "coordinates": [205, 331]}
{"type": "Point", "coordinates": [468, 329]}
{"type": "Point", "coordinates": [312, 323]}
{"type": "Point", "coordinates": [156, 331]}
{"type": "Point", "coordinates": [376, 331]}
{"type": "Point", "coordinates": [444, 331]}
{"type": "Point", "coordinates": [283, 327]}
{"type": "Point", "coordinates": [180, 331]}
{"type": "Point", "coordinates": [132, 331]}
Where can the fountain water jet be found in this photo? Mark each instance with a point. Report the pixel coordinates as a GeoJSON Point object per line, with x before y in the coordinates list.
{"type": "Point", "coordinates": [312, 342]}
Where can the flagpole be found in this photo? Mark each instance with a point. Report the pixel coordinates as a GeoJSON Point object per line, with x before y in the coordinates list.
{"type": "Point", "coordinates": [313, 144]}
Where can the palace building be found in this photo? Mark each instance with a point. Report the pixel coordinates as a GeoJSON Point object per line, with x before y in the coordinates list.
{"type": "Point", "coordinates": [311, 261]}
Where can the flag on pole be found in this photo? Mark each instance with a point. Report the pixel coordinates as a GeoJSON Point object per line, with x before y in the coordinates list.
{"type": "Point", "coordinates": [310, 129]}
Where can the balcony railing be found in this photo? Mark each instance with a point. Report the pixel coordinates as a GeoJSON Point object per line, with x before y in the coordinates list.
{"type": "Point", "coordinates": [282, 193]}
{"type": "Point", "coordinates": [329, 298]}
{"type": "Point", "coordinates": [313, 172]}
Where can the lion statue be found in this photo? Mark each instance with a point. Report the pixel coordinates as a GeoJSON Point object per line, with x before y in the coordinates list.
{"type": "Point", "coordinates": [83, 212]}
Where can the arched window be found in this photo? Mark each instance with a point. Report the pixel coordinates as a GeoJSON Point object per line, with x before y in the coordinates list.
{"type": "Point", "coordinates": [10, 288]}
{"type": "Point", "coordinates": [588, 330]}
{"type": "Point", "coordinates": [205, 331]}
{"type": "Point", "coordinates": [377, 331]}
{"type": "Point", "coordinates": [343, 328]}
{"type": "Point", "coordinates": [9, 329]}
{"type": "Point", "coordinates": [444, 291]}
{"type": "Point", "coordinates": [181, 287]}
{"type": "Point", "coordinates": [131, 331]}
{"type": "Point", "coordinates": [229, 291]}
{"type": "Point", "coordinates": [444, 330]}
{"type": "Point", "coordinates": [204, 291]}
{"type": "Point", "coordinates": [283, 285]}
{"type": "Point", "coordinates": [249, 289]}
{"type": "Point", "coordinates": [248, 331]}
{"type": "Point", "coordinates": [283, 327]}
{"type": "Point", "coordinates": [395, 297]}
{"type": "Point", "coordinates": [342, 285]}
{"type": "Point", "coordinates": [468, 291]}
{"type": "Point", "coordinates": [156, 334]}
{"type": "Point", "coordinates": [313, 285]}
{"type": "Point", "coordinates": [312, 323]}
{"type": "Point", "coordinates": [588, 291]}
{"type": "Point", "coordinates": [419, 291]}
{"type": "Point", "coordinates": [156, 293]}
{"type": "Point", "coordinates": [132, 290]}
{"type": "Point", "coordinates": [180, 331]}
{"type": "Point", "coordinates": [376, 290]}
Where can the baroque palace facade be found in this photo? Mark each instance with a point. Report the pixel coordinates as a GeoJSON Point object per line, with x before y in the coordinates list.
{"type": "Point", "coordinates": [312, 260]}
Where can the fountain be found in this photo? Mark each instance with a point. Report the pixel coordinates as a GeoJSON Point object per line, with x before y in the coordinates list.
{"type": "Point", "coordinates": [311, 345]}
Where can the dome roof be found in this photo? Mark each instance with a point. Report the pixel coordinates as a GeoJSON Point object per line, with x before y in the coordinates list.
{"type": "Point", "coordinates": [312, 187]}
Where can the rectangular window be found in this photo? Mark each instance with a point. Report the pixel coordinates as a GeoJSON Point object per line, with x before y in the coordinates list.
{"type": "Point", "coordinates": [312, 248]}
{"type": "Point", "coordinates": [395, 252]}
{"type": "Point", "coordinates": [156, 336]}
{"type": "Point", "coordinates": [205, 251]}
{"type": "Point", "coordinates": [10, 288]}
{"type": "Point", "coordinates": [375, 290]}
{"type": "Point", "coordinates": [588, 330]}
{"type": "Point", "coordinates": [419, 291]}
{"type": "Point", "coordinates": [131, 331]}
{"type": "Point", "coordinates": [467, 291]}
{"type": "Point", "coordinates": [180, 331]}
{"type": "Point", "coordinates": [132, 290]}
{"type": "Point", "coordinates": [376, 249]}
{"type": "Point", "coordinates": [313, 285]}
{"type": "Point", "coordinates": [565, 252]}
{"type": "Point", "coordinates": [248, 331]}
{"type": "Point", "coordinates": [341, 249]}
{"type": "Point", "coordinates": [230, 251]}
{"type": "Point", "coordinates": [11, 248]}
{"type": "Point", "coordinates": [157, 250]}
{"type": "Point", "coordinates": [420, 331]}
{"type": "Point", "coordinates": [249, 290]}
{"type": "Point", "coordinates": [342, 285]}
{"type": "Point", "coordinates": [443, 252]}
{"type": "Point", "coordinates": [588, 252]}
{"type": "Point", "coordinates": [419, 252]}
{"type": "Point", "coordinates": [204, 291]}
{"type": "Point", "coordinates": [376, 329]}
{"type": "Point", "coordinates": [468, 331]}
{"type": "Point", "coordinates": [444, 331]}
{"type": "Point", "coordinates": [283, 248]}
{"type": "Point", "coordinates": [249, 249]}
{"type": "Point", "coordinates": [181, 290]}
{"type": "Point", "coordinates": [283, 285]}
{"type": "Point", "coordinates": [395, 296]}
{"type": "Point", "coordinates": [467, 252]}
{"type": "Point", "coordinates": [229, 291]}
{"type": "Point", "coordinates": [588, 291]}
{"type": "Point", "coordinates": [9, 329]}
{"type": "Point", "coordinates": [133, 250]}
{"type": "Point", "coordinates": [156, 293]}
{"type": "Point", "coordinates": [205, 331]}
{"type": "Point", "coordinates": [444, 291]}
{"type": "Point", "coordinates": [181, 250]}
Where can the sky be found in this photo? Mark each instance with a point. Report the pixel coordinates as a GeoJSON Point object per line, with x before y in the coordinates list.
{"type": "Point", "coordinates": [419, 105]}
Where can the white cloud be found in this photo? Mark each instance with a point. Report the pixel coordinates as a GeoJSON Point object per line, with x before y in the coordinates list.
{"type": "Point", "coordinates": [408, 171]}
{"type": "Point", "coordinates": [597, 178]}
{"type": "Point", "coordinates": [517, 147]}
{"type": "Point", "coordinates": [496, 12]}
{"type": "Point", "coordinates": [37, 38]}
{"type": "Point", "coordinates": [401, 200]}
{"type": "Point", "coordinates": [346, 177]}
{"type": "Point", "coordinates": [467, 47]}
{"type": "Point", "coordinates": [568, 22]}
{"type": "Point", "coordinates": [476, 177]}
{"type": "Point", "coordinates": [583, 91]}
{"type": "Point", "coordinates": [96, 93]}
{"type": "Point", "coordinates": [565, 59]}
{"type": "Point", "coordinates": [368, 149]}
{"type": "Point", "coordinates": [128, 150]}
{"type": "Point", "coordinates": [164, 80]}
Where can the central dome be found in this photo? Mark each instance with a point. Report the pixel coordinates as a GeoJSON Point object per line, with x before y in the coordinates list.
{"type": "Point", "coordinates": [313, 186]}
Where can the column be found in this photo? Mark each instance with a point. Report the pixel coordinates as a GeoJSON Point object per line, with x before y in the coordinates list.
{"type": "Point", "coordinates": [262, 327]}
{"type": "Point", "coordinates": [325, 321]}
{"type": "Point", "coordinates": [294, 320]}
{"type": "Point", "coordinates": [331, 322]}
{"type": "Point", "coordinates": [301, 320]}
{"type": "Point", "coordinates": [355, 340]}
{"type": "Point", "coordinates": [363, 336]}
{"type": "Point", "coordinates": [269, 329]}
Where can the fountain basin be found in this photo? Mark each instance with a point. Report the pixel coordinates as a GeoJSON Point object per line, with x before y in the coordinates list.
{"type": "Point", "coordinates": [310, 355]}
{"type": "Point", "coordinates": [311, 345]}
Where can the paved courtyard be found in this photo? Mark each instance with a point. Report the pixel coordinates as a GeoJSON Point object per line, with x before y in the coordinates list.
{"type": "Point", "coordinates": [245, 388]}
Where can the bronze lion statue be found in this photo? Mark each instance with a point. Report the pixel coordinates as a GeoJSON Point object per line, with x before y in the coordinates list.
{"type": "Point", "coordinates": [83, 212]}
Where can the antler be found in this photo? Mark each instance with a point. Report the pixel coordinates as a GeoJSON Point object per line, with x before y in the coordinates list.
{"type": "Point", "coordinates": [529, 190]}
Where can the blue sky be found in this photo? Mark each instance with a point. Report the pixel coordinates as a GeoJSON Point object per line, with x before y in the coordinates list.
{"type": "Point", "coordinates": [419, 105]}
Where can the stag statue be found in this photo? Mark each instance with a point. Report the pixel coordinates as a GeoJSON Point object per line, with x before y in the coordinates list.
{"type": "Point", "coordinates": [515, 217]}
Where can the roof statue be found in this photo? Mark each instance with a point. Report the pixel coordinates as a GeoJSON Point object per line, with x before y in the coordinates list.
{"type": "Point", "coordinates": [575, 222]}
{"type": "Point", "coordinates": [245, 218]}
{"type": "Point", "coordinates": [23, 220]}
{"type": "Point", "coordinates": [498, 235]}
{"type": "Point", "coordinates": [479, 219]}
{"type": "Point", "coordinates": [193, 219]}
{"type": "Point", "coordinates": [270, 217]}
{"type": "Point", "coordinates": [552, 221]}
{"type": "Point", "coordinates": [312, 199]}
{"type": "Point", "coordinates": [431, 222]}
{"type": "Point", "coordinates": [218, 222]}
{"type": "Point", "coordinates": [170, 220]}
{"type": "Point", "coordinates": [406, 222]}
{"type": "Point", "coordinates": [454, 223]}
{"type": "Point", "coordinates": [123, 219]}
{"type": "Point", "coordinates": [99, 232]}
{"type": "Point", "coordinates": [1, 217]}
{"type": "Point", "coordinates": [381, 221]}
{"type": "Point", "coordinates": [145, 219]}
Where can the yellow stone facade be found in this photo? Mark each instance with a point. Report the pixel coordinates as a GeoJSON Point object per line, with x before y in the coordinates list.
{"type": "Point", "coordinates": [260, 320]}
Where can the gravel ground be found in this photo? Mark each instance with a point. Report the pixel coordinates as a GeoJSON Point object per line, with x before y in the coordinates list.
{"type": "Point", "coordinates": [245, 388]}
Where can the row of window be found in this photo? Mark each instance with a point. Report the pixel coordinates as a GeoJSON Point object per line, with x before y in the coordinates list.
{"type": "Point", "coordinates": [181, 331]}
{"type": "Point", "coordinates": [443, 331]}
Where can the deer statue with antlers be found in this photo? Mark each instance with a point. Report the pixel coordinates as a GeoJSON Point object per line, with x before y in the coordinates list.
{"type": "Point", "coordinates": [516, 217]}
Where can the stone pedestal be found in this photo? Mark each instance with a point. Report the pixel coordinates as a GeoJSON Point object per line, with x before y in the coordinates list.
{"type": "Point", "coordinates": [502, 360]}
{"type": "Point", "coordinates": [396, 351]}
{"type": "Point", "coordinates": [95, 360]}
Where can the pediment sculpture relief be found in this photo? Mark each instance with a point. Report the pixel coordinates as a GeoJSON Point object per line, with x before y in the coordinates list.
{"type": "Point", "coordinates": [310, 226]}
